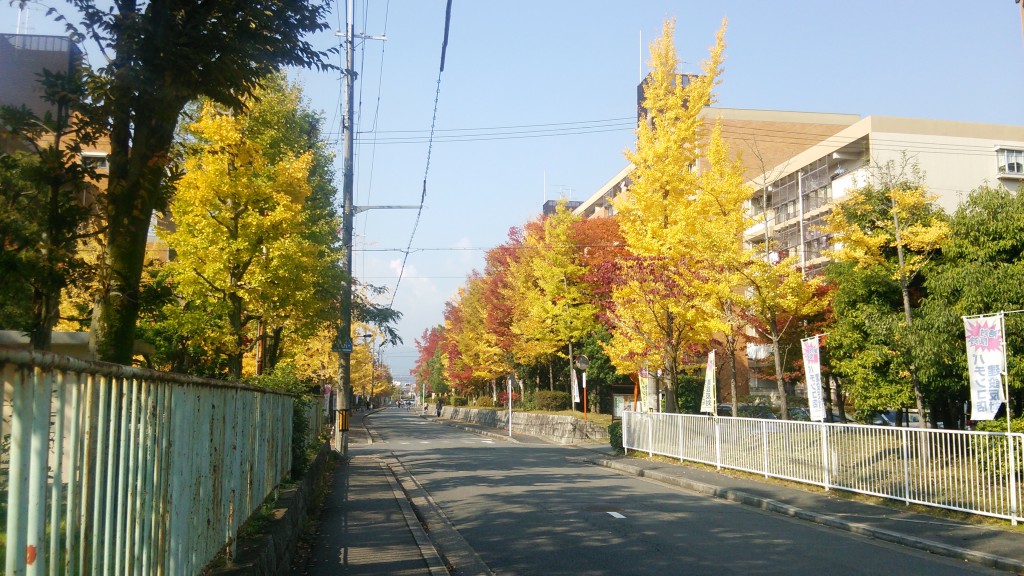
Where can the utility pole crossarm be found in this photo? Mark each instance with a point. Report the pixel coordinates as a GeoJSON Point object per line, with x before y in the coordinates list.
{"type": "Point", "coordinates": [361, 209]}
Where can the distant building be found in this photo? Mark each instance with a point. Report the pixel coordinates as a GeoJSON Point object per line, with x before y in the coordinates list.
{"type": "Point", "coordinates": [757, 137]}
{"type": "Point", "coordinates": [23, 57]}
{"type": "Point", "coordinates": [551, 205]}
{"type": "Point", "coordinates": [953, 157]}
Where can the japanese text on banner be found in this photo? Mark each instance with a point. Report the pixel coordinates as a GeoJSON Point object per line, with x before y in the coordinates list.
{"type": "Point", "coordinates": [812, 371]}
{"type": "Point", "coordinates": [986, 360]}
{"type": "Point", "coordinates": [707, 401]}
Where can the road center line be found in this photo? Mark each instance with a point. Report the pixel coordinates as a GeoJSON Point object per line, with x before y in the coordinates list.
{"type": "Point", "coordinates": [615, 515]}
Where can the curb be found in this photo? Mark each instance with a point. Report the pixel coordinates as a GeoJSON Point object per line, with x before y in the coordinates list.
{"type": "Point", "coordinates": [486, 433]}
{"type": "Point", "coordinates": [950, 551]}
{"type": "Point", "coordinates": [435, 564]}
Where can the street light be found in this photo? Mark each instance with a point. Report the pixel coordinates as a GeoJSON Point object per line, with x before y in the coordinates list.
{"type": "Point", "coordinates": [582, 362]}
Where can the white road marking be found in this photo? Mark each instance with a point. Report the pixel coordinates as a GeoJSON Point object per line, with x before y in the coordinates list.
{"type": "Point", "coordinates": [615, 515]}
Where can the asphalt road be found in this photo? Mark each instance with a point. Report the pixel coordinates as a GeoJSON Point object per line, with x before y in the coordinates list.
{"type": "Point", "coordinates": [540, 510]}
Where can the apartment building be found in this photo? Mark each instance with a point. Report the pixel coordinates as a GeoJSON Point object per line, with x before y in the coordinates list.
{"type": "Point", "coordinates": [23, 58]}
{"type": "Point", "coordinates": [791, 200]}
{"type": "Point", "coordinates": [758, 138]}
{"type": "Point", "coordinates": [799, 164]}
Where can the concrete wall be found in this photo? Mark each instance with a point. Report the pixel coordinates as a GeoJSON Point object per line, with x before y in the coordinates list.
{"type": "Point", "coordinates": [561, 429]}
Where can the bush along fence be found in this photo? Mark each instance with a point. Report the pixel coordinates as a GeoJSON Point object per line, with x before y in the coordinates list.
{"type": "Point", "coordinates": [975, 472]}
{"type": "Point", "coordinates": [109, 469]}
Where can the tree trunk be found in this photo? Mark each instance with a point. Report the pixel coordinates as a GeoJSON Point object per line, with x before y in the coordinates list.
{"type": "Point", "coordinates": [779, 380]}
{"type": "Point", "coordinates": [905, 289]}
{"type": "Point", "coordinates": [235, 356]}
{"type": "Point", "coordinates": [730, 349]}
{"type": "Point", "coordinates": [671, 354]}
{"type": "Point", "coordinates": [273, 349]}
{"type": "Point", "coordinates": [139, 153]}
{"type": "Point", "coordinates": [45, 311]}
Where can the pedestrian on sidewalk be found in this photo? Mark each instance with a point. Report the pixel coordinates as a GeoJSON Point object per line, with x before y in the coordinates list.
{"type": "Point", "coordinates": [439, 408]}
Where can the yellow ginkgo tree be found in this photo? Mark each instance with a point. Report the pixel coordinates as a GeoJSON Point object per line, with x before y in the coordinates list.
{"type": "Point", "coordinates": [554, 308]}
{"type": "Point", "coordinates": [244, 260]}
{"type": "Point", "coordinates": [682, 222]}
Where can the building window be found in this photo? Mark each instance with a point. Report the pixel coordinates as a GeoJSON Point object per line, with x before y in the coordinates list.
{"type": "Point", "coordinates": [95, 160]}
{"type": "Point", "coordinates": [1011, 162]}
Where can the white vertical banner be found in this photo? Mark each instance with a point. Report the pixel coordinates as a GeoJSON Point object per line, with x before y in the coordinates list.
{"type": "Point", "coordinates": [812, 372]}
{"type": "Point", "coordinates": [986, 362]}
{"type": "Point", "coordinates": [653, 399]}
{"type": "Point", "coordinates": [575, 387]}
{"type": "Point", "coordinates": [642, 387]}
{"type": "Point", "coordinates": [707, 400]}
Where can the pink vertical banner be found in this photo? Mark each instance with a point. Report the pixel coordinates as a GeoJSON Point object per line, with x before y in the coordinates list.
{"type": "Point", "coordinates": [986, 362]}
{"type": "Point", "coordinates": [812, 372]}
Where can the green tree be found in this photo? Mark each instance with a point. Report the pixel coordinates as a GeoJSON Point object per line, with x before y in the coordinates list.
{"type": "Point", "coordinates": [981, 272]}
{"type": "Point", "coordinates": [43, 208]}
{"type": "Point", "coordinates": [884, 233]}
{"type": "Point", "coordinates": [160, 56]}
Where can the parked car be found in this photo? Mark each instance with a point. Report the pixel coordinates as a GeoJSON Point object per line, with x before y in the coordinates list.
{"type": "Point", "coordinates": [800, 414]}
{"type": "Point", "coordinates": [889, 418]}
{"type": "Point", "coordinates": [748, 411]}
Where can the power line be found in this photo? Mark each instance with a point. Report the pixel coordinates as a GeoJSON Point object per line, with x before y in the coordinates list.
{"type": "Point", "coordinates": [376, 110]}
{"type": "Point", "coordinates": [430, 149]}
{"type": "Point", "coordinates": [512, 126]}
{"type": "Point", "coordinates": [508, 135]}
{"type": "Point", "coordinates": [420, 136]}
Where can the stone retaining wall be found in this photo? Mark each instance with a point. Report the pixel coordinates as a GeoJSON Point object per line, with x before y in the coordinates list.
{"type": "Point", "coordinates": [557, 428]}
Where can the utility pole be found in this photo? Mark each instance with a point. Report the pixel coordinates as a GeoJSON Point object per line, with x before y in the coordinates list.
{"type": "Point", "coordinates": [344, 342]}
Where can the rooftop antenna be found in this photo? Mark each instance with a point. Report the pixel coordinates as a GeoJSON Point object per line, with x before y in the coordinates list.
{"type": "Point", "coordinates": [22, 17]}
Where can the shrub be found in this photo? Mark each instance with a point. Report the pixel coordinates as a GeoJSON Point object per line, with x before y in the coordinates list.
{"type": "Point", "coordinates": [551, 400]}
{"type": "Point", "coordinates": [991, 452]}
{"type": "Point", "coordinates": [485, 402]}
{"type": "Point", "coordinates": [1016, 425]}
{"type": "Point", "coordinates": [283, 378]}
{"type": "Point", "coordinates": [459, 401]}
{"type": "Point", "coordinates": [503, 398]}
{"type": "Point", "coordinates": [615, 435]}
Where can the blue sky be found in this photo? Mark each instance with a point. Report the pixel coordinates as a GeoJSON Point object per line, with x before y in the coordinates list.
{"type": "Point", "coordinates": [520, 75]}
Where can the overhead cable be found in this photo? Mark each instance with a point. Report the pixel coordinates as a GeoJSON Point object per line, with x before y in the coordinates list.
{"type": "Point", "coordinates": [430, 148]}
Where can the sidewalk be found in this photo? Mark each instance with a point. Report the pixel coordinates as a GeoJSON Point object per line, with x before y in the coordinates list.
{"type": "Point", "coordinates": [367, 525]}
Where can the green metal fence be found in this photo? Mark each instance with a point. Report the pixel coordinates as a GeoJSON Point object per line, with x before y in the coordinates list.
{"type": "Point", "coordinates": [109, 469]}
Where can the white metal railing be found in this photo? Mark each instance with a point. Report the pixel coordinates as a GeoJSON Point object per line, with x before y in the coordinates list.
{"type": "Point", "coordinates": [976, 472]}
{"type": "Point", "coordinates": [118, 470]}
